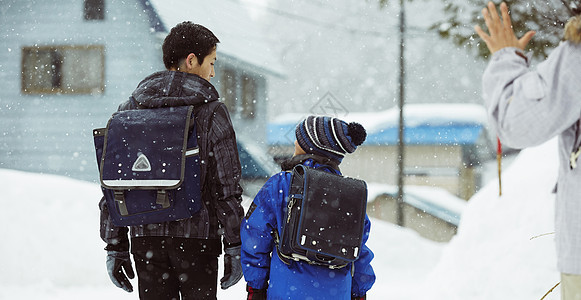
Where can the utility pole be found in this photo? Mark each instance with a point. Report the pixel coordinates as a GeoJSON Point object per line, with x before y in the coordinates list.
{"type": "Point", "coordinates": [400, 142]}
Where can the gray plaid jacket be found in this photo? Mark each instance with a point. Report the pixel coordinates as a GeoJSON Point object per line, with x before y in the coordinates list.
{"type": "Point", "coordinates": [528, 107]}
{"type": "Point", "coordinates": [221, 213]}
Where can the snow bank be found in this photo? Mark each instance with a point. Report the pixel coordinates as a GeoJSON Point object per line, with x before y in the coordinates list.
{"type": "Point", "coordinates": [49, 222]}
{"type": "Point", "coordinates": [51, 248]}
{"type": "Point", "coordinates": [493, 255]}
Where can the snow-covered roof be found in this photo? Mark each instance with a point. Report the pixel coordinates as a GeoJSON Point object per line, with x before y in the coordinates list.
{"type": "Point", "coordinates": [241, 39]}
{"type": "Point", "coordinates": [435, 201]}
{"type": "Point", "coordinates": [425, 124]}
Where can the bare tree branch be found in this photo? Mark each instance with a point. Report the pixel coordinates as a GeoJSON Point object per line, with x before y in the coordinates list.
{"type": "Point", "coordinates": [569, 9]}
{"type": "Point", "coordinates": [551, 290]}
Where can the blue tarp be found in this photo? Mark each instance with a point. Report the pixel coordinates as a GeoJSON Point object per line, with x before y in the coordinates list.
{"type": "Point", "coordinates": [452, 134]}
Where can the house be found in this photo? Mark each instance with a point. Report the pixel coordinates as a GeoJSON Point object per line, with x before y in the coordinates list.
{"type": "Point", "coordinates": [66, 65]}
{"type": "Point", "coordinates": [432, 212]}
{"type": "Point", "coordinates": [445, 146]}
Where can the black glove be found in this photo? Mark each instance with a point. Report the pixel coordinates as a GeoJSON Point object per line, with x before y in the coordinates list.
{"type": "Point", "coordinates": [359, 297]}
{"type": "Point", "coordinates": [232, 267]}
{"type": "Point", "coordinates": [255, 294]}
{"type": "Point", "coordinates": [117, 261]}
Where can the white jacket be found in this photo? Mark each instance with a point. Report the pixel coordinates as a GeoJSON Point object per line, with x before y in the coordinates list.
{"type": "Point", "coordinates": [528, 107]}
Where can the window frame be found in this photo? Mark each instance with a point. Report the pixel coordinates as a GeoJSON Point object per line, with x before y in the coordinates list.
{"type": "Point", "coordinates": [239, 91]}
{"type": "Point", "coordinates": [249, 97]}
{"type": "Point", "coordinates": [94, 10]}
{"type": "Point", "coordinates": [229, 89]}
{"type": "Point", "coordinates": [27, 88]}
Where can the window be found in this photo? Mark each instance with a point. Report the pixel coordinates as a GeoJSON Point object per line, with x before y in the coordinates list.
{"type": "Point", "coordinates": [94, 10]}
{"type": "Point", "coordinates": [228, 89]}
{"type": "Point", "coordinates": [248, 97]}
{"type": "Point", "coordinates": [239, 93]}
{"type": "Point", "coordinates": [63, 69]}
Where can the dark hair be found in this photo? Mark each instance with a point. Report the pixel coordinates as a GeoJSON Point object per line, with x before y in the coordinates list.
{"type": "Point", "coordinates": [186, 38]}
{"type": "Point", "coordinates": [575, 9]}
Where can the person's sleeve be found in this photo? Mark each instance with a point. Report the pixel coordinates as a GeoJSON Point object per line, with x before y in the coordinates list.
{"type": "Point", "coordinates": [257, 241]}
{"type": "Point", "coordinates": [364, 276]}
{"type": "Point", "coordinates": [528, 107]}
{"type": "Point", "coordinates": [224, 153]}
{"type": "Point", "coordinates": [115, 237]}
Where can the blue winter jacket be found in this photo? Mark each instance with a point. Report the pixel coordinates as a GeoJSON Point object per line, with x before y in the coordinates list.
{"type": "Point", "coordinates": [262, 267]}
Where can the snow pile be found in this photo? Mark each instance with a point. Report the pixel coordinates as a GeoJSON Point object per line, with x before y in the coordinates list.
{"type": "Point", "coordinates": [51, 248]}
{"type": "Point", "coordinates": [49, 223]}
{"type": "Point", "coordinates": [494, 254]}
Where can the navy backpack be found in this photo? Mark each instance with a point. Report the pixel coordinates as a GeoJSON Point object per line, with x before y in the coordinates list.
{"type": "Point", "coordinates": [325, 219]}
{"type": "Point", "coordinates": [149, 165]}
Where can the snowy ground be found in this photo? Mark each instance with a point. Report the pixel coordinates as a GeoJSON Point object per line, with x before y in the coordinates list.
{"type": "Point", "coordinates": [51, 248]}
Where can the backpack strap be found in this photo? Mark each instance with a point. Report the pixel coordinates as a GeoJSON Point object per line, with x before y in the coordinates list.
{"type": "Point", "coordinates": [162, 199]}
{"type": "Point", "coordinates": [284, 258]}
{"type": "Point", "coordinates": [329, 168]}
{"type": "Point", "coordinates": [120, 199]}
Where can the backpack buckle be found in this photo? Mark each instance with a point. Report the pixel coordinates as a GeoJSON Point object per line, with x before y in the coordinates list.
{"type": "Point", "coordinates": [162, 199]}
{"type": "Point", "coordinates": [121, 205]}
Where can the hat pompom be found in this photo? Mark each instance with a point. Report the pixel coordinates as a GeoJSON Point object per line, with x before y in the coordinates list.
{"type": "Point", "coordinates": [357, 133]}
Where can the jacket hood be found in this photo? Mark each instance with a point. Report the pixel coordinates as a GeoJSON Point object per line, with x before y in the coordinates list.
{"type": "Point", "coordinates": [172, 88]}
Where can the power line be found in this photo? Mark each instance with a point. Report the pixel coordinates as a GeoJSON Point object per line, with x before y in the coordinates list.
{"type": "Point", "coordinates": [322, 24]}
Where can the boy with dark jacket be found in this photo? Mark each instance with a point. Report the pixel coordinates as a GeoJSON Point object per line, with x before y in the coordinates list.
{"type": "Point", "coordinates": [181, 257]}
{"type": "Point", "coordinates": [320, 141]}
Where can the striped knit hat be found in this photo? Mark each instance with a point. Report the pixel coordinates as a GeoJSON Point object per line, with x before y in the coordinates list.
{"type": "Point", "coordinates": [329, 137]}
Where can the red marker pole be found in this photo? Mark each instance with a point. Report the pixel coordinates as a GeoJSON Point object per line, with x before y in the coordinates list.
{"type": "Point", "coordinates": [499, 160]}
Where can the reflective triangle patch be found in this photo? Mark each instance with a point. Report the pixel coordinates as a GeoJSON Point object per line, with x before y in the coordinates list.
{"type": "Point", "coordinates": [141, 164]}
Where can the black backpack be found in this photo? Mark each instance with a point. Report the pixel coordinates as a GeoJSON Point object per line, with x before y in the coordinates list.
{"type": "Point", "coordinates": [325, 219]}
{"type": "Point", "coordinates": [149, 165]}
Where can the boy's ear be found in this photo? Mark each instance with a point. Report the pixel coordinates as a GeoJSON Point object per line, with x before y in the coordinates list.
{"type": "Point", "coordinates": [191, 60]}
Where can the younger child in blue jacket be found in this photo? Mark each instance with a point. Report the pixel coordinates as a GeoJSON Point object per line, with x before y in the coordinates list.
{"type": "Point", "coordinates": [319, 141]}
